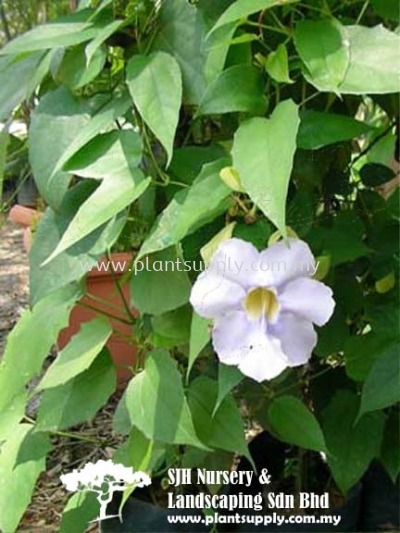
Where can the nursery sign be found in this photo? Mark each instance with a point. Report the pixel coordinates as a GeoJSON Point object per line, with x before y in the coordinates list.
{"type": "Point", "coordinates": [219, 508]}
{"type": "Point", "coordinates": [187, 476]}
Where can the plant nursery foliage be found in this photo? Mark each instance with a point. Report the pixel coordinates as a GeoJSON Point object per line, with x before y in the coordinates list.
{"type": "Point", "coordinates": [247, 146]}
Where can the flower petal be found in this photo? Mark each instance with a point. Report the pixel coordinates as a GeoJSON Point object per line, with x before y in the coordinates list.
{"type": "Point", "coordinates": [297, 336]}
{"type": "Point", "coordinates": [234, 259]}
{"type": "Point", "coordinates": [288, 262]}
{"type": "Point", "coordinates": [309, 299]}
{"type": "Point", "coordinates": [214, 295]}
{"type": "Point", "coordinates": [238, 341]}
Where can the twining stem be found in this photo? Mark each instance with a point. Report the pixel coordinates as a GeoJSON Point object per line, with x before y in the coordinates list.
{"type": "Point", "coordinates": [373, 143]}
{"type": "Point", "coordinates": [311, 378]}
{"type": "Point", "coordinates": [103, 302]}
{"type": "Point", "coordinates": [105, 313]}
{"type": "Point", "coordinates": [361, 14]}
{"type": "Point", "coordinates": [241, 203]}
{"type": "Point", "coordinates": [69, 435]}
{"type": "Point", "coordinates": [266, 27]}
{"type": "Point", "coordinates": [121, 292]}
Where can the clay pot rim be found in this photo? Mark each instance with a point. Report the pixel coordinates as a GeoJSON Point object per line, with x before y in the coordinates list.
{"type": "Point", "coordinates": [24, 216]}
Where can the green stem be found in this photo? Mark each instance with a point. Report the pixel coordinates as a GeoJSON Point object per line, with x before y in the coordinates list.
{"type": "Point", "coordinates": [267, 27]}
{"type": "Point", "coordinates": [373, 143]}
{"type": "Point", "coordinates": [317, 9]}
{"type": "Point", "coordinates": [78, 437]}
{"type": "Point", "coordinates": [121, 292]}
{"type": "Point", "coordinates": [170, 182]}
{"type": "Point", "coordinates": [103, 302]}
{"type": "Point", "coordinates": [361, 14]}
{"type": "Point", "coordinates": [68, 435]}
{"type": "Point", "coordinates": [308, 98]}
{"type": "Point", "coordinates": [105, 313]}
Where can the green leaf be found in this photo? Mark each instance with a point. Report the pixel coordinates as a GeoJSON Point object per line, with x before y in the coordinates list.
{"type": "Point", "coordinates": [208, 250]}
{"type": "Point", "coordinates": [68, 266]}
{"type": "Point", "coordinates": [102, 35]}
{"type": "Point", "coordinates": [172, 328]}
{"type": "Point", "coordinates": [293, 422]}
{"type": "Point", "coordinates": [199, 338]}
{"type": "Point", "coordinates": [156, 403]}
{"type": "Point", "coordinates": [182, 34]}
{"type": "Point", "coordinates": [239, 88]}
{"type": "Point", "coordinates": [18, 71]}
{"type": "Point", "coordinates": [155, 85]}
{"type": "Point", "coordinates": [189, 160]}
{"type": "Point", "coordinates": [374, 61]}
{"type": "Point", "coordinates": [228, 377]}
{"type": "Point", "coordinates": [381, 387]}
{"type": "Point", "coordinates": [352, 445]}
{"type": "Point", "coordinates": [101, 121]}
{"type": "Point", "coordinates": [187, 210]}
{"type": "Point", "coordinates": [17, 481]}
{"type": "Point", "coordinates": [375, 174]}
{"type": "Point", "coordinates": [244, 8]}
{"type": "Point", "coordinates": [277, 65]}
{"type": "Point", "coordinates": [51, 36]}
{"type": "Point", "coordinates": [79, 353]}
{"type": "Point", "coordinates": [389, 9]}
{"type": "Point", "coordinates": [81, 508]}
{"type": "Point", "coordinates": [264, 176]}
{"type": "Point", "coordinates": [139, 452]}
{"type": "Point", "coordinates": [343, 241]}
{"type": "Point", "coordinates": [322, 129]}
{"type": "Point", "coordinates": [333, 335]}
{"type": "Point", "coordinates": [258, 233]}
{"type": "Point", "coordinates": [224, 430]}
{"type": "Point", "coordinates": [55, 123]}
{"type": "Point", "coordinates": [112, 157]}
{"type": "Point", "coordinates": [162, 285]}
{"type": "Point", "coordinates": [4, 141]}
{"type": "Point", "coordinates": [217, 51]}
{"type": "Point", "coordinates": [390, 449]}
{"type": "Point", "coordinates": [75, 71]}
{"type": "Point", "coordinates": [79, 398]}
{"type": "Point", "coordinates": [362, 351]}
{"type": "Point", "coordinates": [324, 49]}
{"type": "Point", "coordinates": [12, 414]}
{"type": "Point", "coordinates": [30, 341]}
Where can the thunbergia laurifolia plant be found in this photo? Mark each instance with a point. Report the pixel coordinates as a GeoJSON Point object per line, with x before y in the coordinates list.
{"type": "Point", "coordinates": [244, 152]}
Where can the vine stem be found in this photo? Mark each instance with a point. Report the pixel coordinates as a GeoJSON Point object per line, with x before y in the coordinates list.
{"type": "Point", "coordinates": [121, 292]}
{"type": "Point", "coordinates": [266, 27]}
{"type": "Point", "coordinates": [361, 14]}
{"type": "Point", "coordinates": [311, 378]}
{"type": "Point", "coordinates": [105, 313]}
{"type": "Point", "coordinates": [66, 434]}
{"type": "Point", "coordinates": [372, 143]}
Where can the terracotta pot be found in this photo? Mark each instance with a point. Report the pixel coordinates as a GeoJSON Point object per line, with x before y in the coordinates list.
{"type": "Point", "coordinates": [25, 217]}
{"type": "Point", "coordinates": [100, 284]}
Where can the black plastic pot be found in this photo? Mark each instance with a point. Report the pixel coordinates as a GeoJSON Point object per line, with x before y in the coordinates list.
{"type": "Point", "coordinates": [142, 517]}
{"type": "Point", "coordinates": [380, 501]}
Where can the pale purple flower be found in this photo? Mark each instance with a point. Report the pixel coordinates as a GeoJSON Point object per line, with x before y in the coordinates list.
{"type": "Point", "coordinates": [264, 305]}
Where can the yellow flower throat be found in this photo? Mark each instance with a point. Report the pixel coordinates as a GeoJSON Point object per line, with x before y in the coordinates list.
{"type": "Point", "coordinates": [259, 302]}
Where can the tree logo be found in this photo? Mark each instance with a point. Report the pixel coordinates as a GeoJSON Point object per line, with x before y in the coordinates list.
{"type": "Point", "coordinates": [104, 478]}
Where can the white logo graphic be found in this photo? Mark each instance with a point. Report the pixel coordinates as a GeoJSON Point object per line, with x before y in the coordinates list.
{"type": "Point", "coordinates": [104, 478]}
